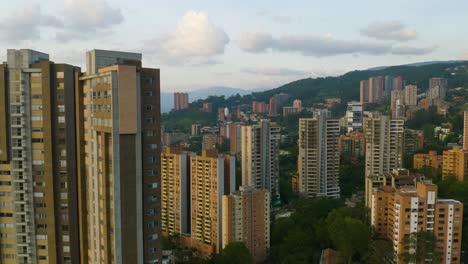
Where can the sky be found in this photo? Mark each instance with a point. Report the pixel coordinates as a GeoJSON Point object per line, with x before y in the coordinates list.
{"type": "Point", "coordinates": [238, 43]}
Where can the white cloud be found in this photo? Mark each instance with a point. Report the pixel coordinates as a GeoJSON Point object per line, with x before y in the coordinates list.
{"type": "Point", "coordinates": [26, 24]}
{"type": "Point", "coordinates": [255, 42]}
{"type": "Point", "coordinates": [83, 18]}
{"type": "Point", "coordinates": [196, 37]}
{"type": "Point", "coordinates": [281, 19]}
{"type": "Point", "coordinates": [389, 30]}
{"type": "Point", "coordinates": [321, 46]}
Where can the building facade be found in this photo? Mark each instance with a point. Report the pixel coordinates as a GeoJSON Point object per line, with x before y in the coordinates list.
{"type": "Point", "coordinates": [354, 116]}
{"type": "Point", "coordinates": [260, 156]}
{"type": "Point", "coordinates": [429, 160]}
{"type": "Point", "coordinates": [319, 157]}
{"type": "Point", "coordinates": [38, 179]}
{"type": "Point", "coordinates": [181, 101]}
{"type": "Point", "coordinates": [455, 163]}
{"type": "Point", "coordinates": [384, 144]}
{"type": "Point", "coordinates": [119, 121]}
{"type": "Point", "coordinates": [175, 191]}
{"type": "Point", "coordinates": [397, 213]}
{"type": "Point", "coordinates": [246, 218]}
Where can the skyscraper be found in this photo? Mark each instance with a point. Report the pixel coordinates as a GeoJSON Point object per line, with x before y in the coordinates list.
{"type": "Point", "coordinates": [38, 179]}
{"type": "Point", "coordinates": [119, 143]}
{"type": "Point", "coordinates": [354, 116]}
{"type": "Point", "coordinates": [455, 163]}
{"type": "Point", "coordinates": [364, 91]}
{"type": "Point", "coordinates": [180, 101]}
{"type": "Point", "coordinates": [384, 144]}
{"type": "Point", "coordinates": [411, 95]}
{"type": "Point", "coordinates": [175, 191]}
{"type": "Point", "coordinates": [319, 157]}
{"type": "Point", "coordinates": [273, 106]}
{"type": "Point", "coordinates": [212, 176]}
{"type": "Point", "coordinates": [246, 218]}
{"type": "Point", "coordinates": [260, 156]}
{"type": "Point", "coordinates": [235, 138]}
{"type": "Point", "coordinates": [438, 88]}
{"type": "Point", "coordinates": [465, 130]}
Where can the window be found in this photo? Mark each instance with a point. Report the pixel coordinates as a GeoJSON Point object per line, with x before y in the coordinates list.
{"type": "Point", "coordinates": [61, 119]}
{"type": "Point", "coordinates": [36, 118]}
{"type": "Point", "coordinates": [60, 75]}
{"type": "Point", "coordinates": [61, 108]}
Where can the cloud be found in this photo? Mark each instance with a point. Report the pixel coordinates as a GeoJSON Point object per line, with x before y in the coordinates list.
{"type": "Point", "coordinates": [389, 30]}
{"type": "Point", "coordinates": [84, 18]}
{"type": "Point", "coordinates": [407, 50]}
{"type": "Point", "coordinates": [25, 24]}
{"type": "Point", "coordinates": [196, 36]}
{"type": "Point", "coordinates": [321, 46]}
{"type": "Point", "coordinates": [275, 71]}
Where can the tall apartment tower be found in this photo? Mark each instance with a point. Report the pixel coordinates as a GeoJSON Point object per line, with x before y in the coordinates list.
{"type": "Point", "coordinates": [319, 156]}
{"type": "Point", "coordinates": [175, 191]}
{"type": "Point", "coordinates": [212, 176]}
{"type": "Point", "coordinates": [235, 138]}
{"type": "Point", "coordinates": [38, 212]}
{"type": "Point", "coordinates": [384, 144]}
{"type": "Point", "coordinates": [354, 116]}
{"type": "Point", "coordinates": [400, 212]}
{"type": "Point", "coordinates": [246, 218]}
{"type": "Point", "coordinates": [410, 95]}
{"type": "Point", "coordinates": [260, 157]}
{"type": "Point", "coordinates": [180, 101]}
{"type": "Point", "coordinates": [273, 106]}
{"type": "Point", "coordinates": [438, 88]}
{"type": "Point", "coordinates": [364, 91]}
{"type": "Point", "coordinates": [465, 130]}
{"type": "Point", "coordinates": [119, 143]}
{"type": "Point", "coordinates": [455, 163]}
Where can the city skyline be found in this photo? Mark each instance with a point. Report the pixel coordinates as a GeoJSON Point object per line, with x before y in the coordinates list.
{"type": "Point", "coordinates": [262, 45]}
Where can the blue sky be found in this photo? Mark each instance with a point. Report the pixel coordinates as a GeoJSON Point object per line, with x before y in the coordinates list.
{"type": "Point", "coordinates": [244, 44]}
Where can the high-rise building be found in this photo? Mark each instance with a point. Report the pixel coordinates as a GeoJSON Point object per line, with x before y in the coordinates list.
{"type": "Point", "coordinates": [352, 146]}
{"type": "Point", "coordinates": [180, 101]}
{"type": "Point", "coordinates": [354, 116]}
{"type": "Point", "coordinates": [410, 97]}
{"type": "Point", "coordinates": [259, 107]}
{"type": "Point", "coordinates": [235, 138]}
{"type": "Point", "coordinates": [209, 141]}
{"type": "Point", "coordinates": [211, 177]}
{"type": "Point", "coordinates": [260, 156]}
{"type": "Point", "coordinates": [319, 157]}
{"type": "Point", "coordinates": [119, 146]}
{"type": "Point", "coordinates": [364, 92]}
{"type": "Point", "coordinates": [429, 160]}
{"type": "Point", "coordinates": [196, 129]}
{"type": "Point", "coordinates": [207, 107]}
{"type": "Point", "coordinates": [175, 191]}
{"type": "Point", "coordinates": [397, 104]}
{"type": "Point", "coordinates": [465, 130]}
{"type": "Point", "coordinates": [38, 178]}
{"type": "Point", "coordinates": [273, 106]}
{"type": "Point", "coordinates": [297, 104]}
{"type": "Point", "coordinates": [376, 89]}
{"type": "Point", "coordinates": [438, 88]}
{"type": "Point", "coordinates": [246, 218]}
{"type": "Point", "coordinates": [397, 83]}
{"type": "Point", "coordinates": [455, 163]}
{"type": "Point", "coordinates": [398, 213]}
{"type": "Point", "coordinates": [384, 144]}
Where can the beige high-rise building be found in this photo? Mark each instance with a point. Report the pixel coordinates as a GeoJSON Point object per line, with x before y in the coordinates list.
{"type": "Point", "coordinates": [384, 144]}
{"type": "Point", "coordinates": [38, 180]}
{"type": "Point", "coordinates": [181, 101]}
{"type": "Point", "coordinates": [410, 95]}
{"type": "Point", "coordinates": [437, 88]}
{"type": "Point", "coordinates": [319, 157]}
{"type": "Point", "coordinates": [400, 212]}
{"type": "Point", "coordinates": [175, 191]}
{"type": "Point", "coordinates": [455, 163]}
{"type": "Point", "coordinates": [260, 156]}
{"type": "Point", "coordinates": [246, 218]}
{"type": "Point", "coordinates": [211, 177]}
{"type": "Point", "coordinates": [364, 92]}
{"type": "Point", "coordinates": [465, 130]}
{"type": "Point", "coordinates": [119, 144]}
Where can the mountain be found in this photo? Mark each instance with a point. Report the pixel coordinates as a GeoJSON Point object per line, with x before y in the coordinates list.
{"type": "Point", "coordinates": [417, 64]}
{"type": "Point", "coordinates": [167, 99]}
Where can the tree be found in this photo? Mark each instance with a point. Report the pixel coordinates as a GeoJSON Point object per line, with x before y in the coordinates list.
{"type": "Point", "coordinates": [234, 253]}
{"type": "Point", "coordinates": [420, 246]}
